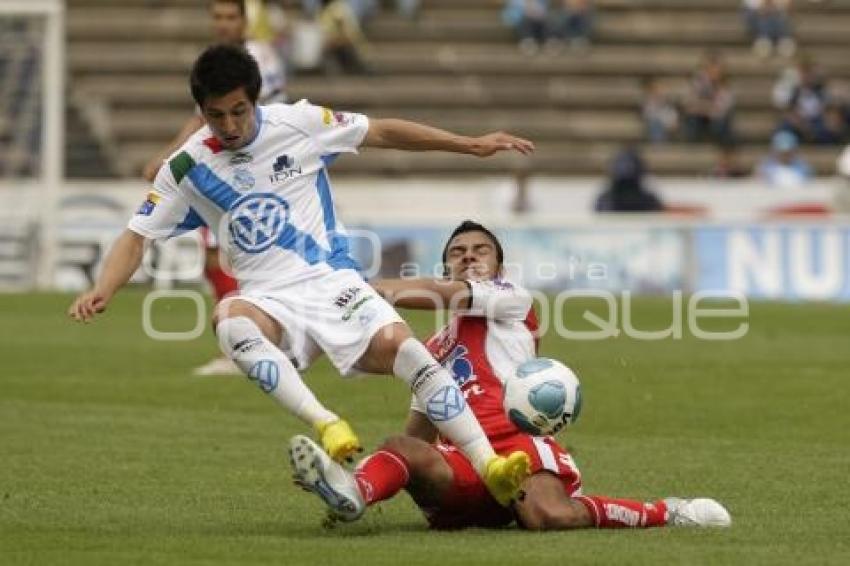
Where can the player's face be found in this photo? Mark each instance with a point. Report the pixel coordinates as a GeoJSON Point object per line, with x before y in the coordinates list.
{"type": "Point", "coordinates": [472, 255]}
{"type": "Point", "coordinates": [231, 118]}
{"type": "Point", "coordinates": [228, 23]}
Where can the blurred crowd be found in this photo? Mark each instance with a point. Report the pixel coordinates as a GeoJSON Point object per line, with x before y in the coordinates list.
{"type": "Point", "coordinates": [327, 36]}
{"type": "Point", "coordinates": [805, 102]}
{"type": "Point", "coordinates": [808, 107]}
{"type": "Point", "coordinates": [552, 25]}
{"type": "Point", "coordinates": [322, 35]}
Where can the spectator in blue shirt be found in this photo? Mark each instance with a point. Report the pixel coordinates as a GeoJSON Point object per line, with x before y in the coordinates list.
{"type": "Point", "coordinates": [784, 167]}
{"type": "Point", "coordinates": [530, 21]}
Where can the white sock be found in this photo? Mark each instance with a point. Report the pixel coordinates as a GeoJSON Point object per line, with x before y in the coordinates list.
{"type": "Point", "coordinates": [242, 341]}
{"type": "Point", "coordinates": [443, 400]}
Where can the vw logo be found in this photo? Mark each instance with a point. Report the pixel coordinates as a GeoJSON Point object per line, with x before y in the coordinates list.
{"type": "Point", "coordinates": [445, 404]}
{"type": "Point", "coordinates": [257, 221]}
{"type": "Point", "coordinates": [266, 373]}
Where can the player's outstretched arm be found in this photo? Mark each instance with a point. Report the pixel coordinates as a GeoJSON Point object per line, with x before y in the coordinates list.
{"type": "Point", "coordinates": [425, 294]}
{"type": "Point", "coordinates": [411, 136]}
{"type": "Point", "coordinates": [123, 260]}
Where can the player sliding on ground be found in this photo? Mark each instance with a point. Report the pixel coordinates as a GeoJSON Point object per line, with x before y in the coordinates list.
{"type": "Point", "coordinates": [492, 332]}
{"type": "Point", "coordinates": [258, 175]}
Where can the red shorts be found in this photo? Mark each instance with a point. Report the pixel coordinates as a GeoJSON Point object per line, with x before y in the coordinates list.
{"type": "Point", "coordinates": [469, 504]}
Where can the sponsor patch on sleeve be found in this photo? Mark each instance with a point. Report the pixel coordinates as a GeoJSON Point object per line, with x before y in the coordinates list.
{"type": "Point", "coordinates": [343, 118]}
{"type": "Point", "coordinates": [150, 203]}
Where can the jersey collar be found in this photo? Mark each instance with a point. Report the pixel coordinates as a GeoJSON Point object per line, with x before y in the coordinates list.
{"type": "Point", "coordinates": [258, 123]}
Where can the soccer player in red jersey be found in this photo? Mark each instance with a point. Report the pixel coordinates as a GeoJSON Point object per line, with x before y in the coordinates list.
{"type": "Point", "coordinates": [493, 330]}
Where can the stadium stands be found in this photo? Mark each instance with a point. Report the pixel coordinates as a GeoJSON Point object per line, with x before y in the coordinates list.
{"type": "Point", "coordinates": [457, 66]}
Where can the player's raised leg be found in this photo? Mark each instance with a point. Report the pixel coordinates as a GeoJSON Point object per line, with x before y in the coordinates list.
{"type": "Point", "coordinates": [249, 336]}
{"type": "Point", "coordinates": [393, 349]}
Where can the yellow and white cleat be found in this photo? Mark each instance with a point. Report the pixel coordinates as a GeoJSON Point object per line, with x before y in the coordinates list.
{"type": "Point", "coordinates": [338, 440]}
{"type": "Point", "coordinates": [504, 476]}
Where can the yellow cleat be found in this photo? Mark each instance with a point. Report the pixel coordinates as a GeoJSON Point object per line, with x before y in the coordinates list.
{"type": "Point", "coordinates": [504, 476]}
{"type": "Point", "coordinates": [338, 440]}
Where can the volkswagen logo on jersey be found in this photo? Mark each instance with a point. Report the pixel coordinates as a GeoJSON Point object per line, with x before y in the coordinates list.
{"type": "Point", "coordinates": [257, 221]}
{"type": "Point", "coordinates": [445, 404]}
{"type": "Point", "coordinates": [243, 180]}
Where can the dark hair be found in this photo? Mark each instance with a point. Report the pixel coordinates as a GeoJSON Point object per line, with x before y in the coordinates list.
{"type": "Point", "coordinates": [221, 69]}
{"type": "Point", "coordinates": [239, 4]}
{"type": "Point", "coordinates": [472, 226]}
{"type": "Point", "coordinates": [627, 165]}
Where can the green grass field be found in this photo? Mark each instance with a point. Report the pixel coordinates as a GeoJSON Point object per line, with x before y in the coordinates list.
{"type": "Point", "coordinates": [112, 453]}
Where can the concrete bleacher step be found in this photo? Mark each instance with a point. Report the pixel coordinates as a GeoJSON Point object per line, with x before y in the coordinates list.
{"type": "Point", "coordinates": [151, 5]}
{"type": "Point", "coordinates": [564, 158]}
{"type": "Point", "coordinates": [472, 92]}
{"type": "Point", "coordinates": [712, 30]}
{"type": "Point", "coordinates": [691, 5]}
{"type": "Point", "coordinates": [599, 61]}
{"type": "Point", "coordinates": [642, 5]}
{"type": "Point", "coordinates": [120, 24]}
{"type": "Point", "coordinates": [133, 24]}
{"type": "Point", "coordinates": [458, 67]}
{"type": "Point", "coordinates": [460, 59]}
{"type": "Point", "coordinates": [568, 159]}
{"type": "Point", "coordinates": [638, 5]}
{"type": "Point", "coordinates": [537, 125]}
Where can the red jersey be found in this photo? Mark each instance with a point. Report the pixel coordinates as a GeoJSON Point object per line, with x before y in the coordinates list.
{"type": "Point", "coordinates": [482, 347]}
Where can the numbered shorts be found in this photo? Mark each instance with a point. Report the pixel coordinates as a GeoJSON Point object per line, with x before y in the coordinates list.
{"type": "Point", "coordinates": [337, 313]}
{"type": "Point", "coordinates": [469, 504]}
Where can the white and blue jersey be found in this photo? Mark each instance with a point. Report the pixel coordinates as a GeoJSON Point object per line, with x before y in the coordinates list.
{"type": "Point", "coordinates": [270, 202]}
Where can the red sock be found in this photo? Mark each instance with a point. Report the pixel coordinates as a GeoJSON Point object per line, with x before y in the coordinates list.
{"type": "Point", "coordinates": [222, 283]}
{"type": "Point", "coordinates": [610, 513]}
{"type": "Point", "coordinates": [381, 475]}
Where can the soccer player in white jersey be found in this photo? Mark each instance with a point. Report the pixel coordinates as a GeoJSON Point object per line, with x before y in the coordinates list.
{"type": "Point", "coordinates": [258, 176]}
{"type": "Point", "coordinates": [229, 26]}
{"type": "Point", "coordinates": [493, 330]}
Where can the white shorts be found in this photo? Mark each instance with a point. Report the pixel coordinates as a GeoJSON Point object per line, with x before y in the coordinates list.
{"type": "Point", "coordinates": [337, 314]}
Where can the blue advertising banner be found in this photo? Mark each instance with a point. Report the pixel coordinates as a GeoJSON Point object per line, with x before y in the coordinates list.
{"type": "Point", "coordinates": [791, 262]}
{"type": "Point", "coordinates": [642, 259]}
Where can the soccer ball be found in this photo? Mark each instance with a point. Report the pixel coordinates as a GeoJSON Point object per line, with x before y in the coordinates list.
{"type": "Point", "coordinates": [542, 397]}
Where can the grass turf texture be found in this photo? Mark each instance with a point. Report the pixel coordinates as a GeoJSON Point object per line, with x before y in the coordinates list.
{"type": "Point", "coordinates": [112, 453]}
